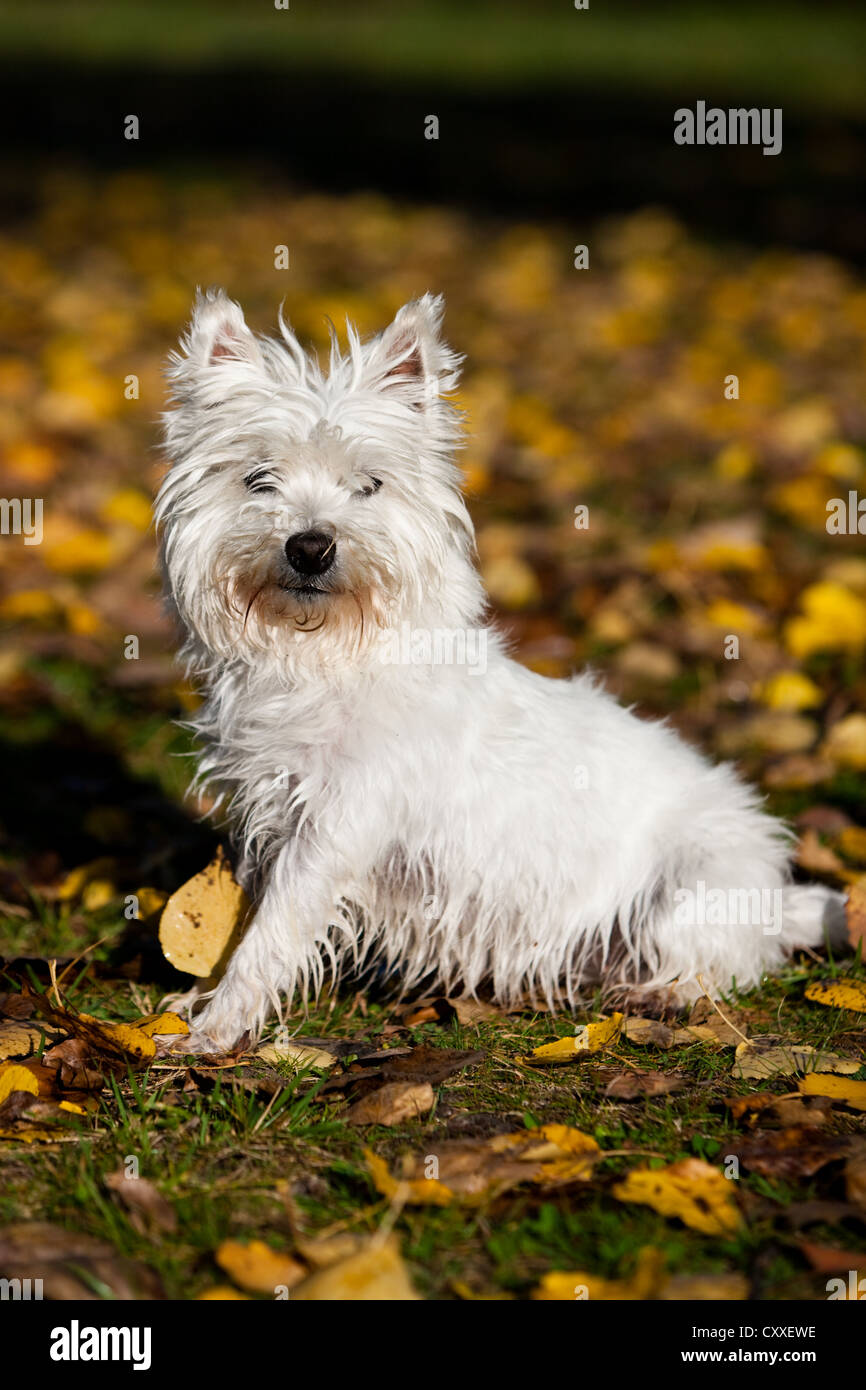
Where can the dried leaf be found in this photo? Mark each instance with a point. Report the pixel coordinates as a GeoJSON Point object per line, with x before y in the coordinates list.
{"type": "Point", "coordinates": [203, 921]}
{"type": "Point", "coordinates": [257, 1268]}
{"type": "Point", "coordinates": [392, 1104]}
{"type": "Point", "coordinates": [700, 1195]}
{"type": "Point", "coordinates": [375, 1274]}
{"type": "Point", "coordinates": [472, 1172]}
{"type": "Point", "coordinates": [838, 994]}
{"type": "Point", "coordinates": [850, 1093]}
{"type": "Point", "coordinates": [592, 1037]}
{"type": "Point", "coordinates": [143, 1200]}
{"type": "Point", "coordinates": [770, 1055]}
{"type": "Point", "coordinates": [15, 1078]}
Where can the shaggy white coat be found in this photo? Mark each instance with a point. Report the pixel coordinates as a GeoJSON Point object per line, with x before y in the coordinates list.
{"type": "Point", "coordinates": [471, 823]}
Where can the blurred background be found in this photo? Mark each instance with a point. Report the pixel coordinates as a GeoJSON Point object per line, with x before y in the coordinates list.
{"type": "Point", "coordinates": [599, 388]}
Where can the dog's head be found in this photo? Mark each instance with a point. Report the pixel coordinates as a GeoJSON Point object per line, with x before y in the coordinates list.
{"type": "Point", "coordinates": [306, 511]}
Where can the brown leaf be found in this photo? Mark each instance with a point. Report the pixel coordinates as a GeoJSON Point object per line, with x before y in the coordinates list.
{"type": "Point", "coordinates": [635, 1085]}
{"type": "Point", "coordinates": [789, 1153]}
{"type": "Point", "coordinates": [392, 1104]}
{"type": "Point", "coordinates": [431, 1064]}
{"type": "Point", "coordinates": [60, 1257]}
{"type": "Point", "coordinates": [147, 1207]}
{"type": "Point", "coordinates": [825, 1260]}
{"type": "Point", "coordinates": [648, 1032]}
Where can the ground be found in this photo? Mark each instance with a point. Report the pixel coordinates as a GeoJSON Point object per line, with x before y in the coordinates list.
{"type": "Point", "coordinates": [631, 516]}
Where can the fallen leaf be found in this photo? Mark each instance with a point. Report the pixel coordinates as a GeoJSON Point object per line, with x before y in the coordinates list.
{"type": "Point", "coordinates": [298, 1055]}
{"type": "Point", "coordinates": [851, 1093]}
{"type": "Point", "coordinates": [15, 1078]}
{"type": "Point", "coordinates": [710, 1288]}
{"type": "Point", "coordinates": [632, 1085]}
{"type": "Point", "coordinates": [20, 1038]}
{"type": "Point", "coordinates": [789, 1153]}
{"type": "Point", "coordinates": [143, 1200]}
{"type": "Point", "coordinates": [648, 1032]}
{"type": "Point", "coordinates": [471, 1172]}
{"type": "Point", "coordinates": [696, 1192]}
{"type": "Point", "coordinates": [592, 1037]}
{"type": "Point", "coordinates": [72, 1265]}
{"type": "Point", "coordinates": [838, 994]}
{"type": "Point", "coordinates": [222, 1293]}
{"type": "Point", "coordinates": [816, 857]}
{"type": "Point", "coordinates": [376, 1273]}
{"type": "Point", "coordinates": [826, 1260]}
{"type": "Point", "coordinates": [770, 1055]}
{"type": "Point", "coordinates": [257, 1268]}
{"type": "Point", "coordinates": [159, 1025]}
{"type": "Point", "coordinates": [392, 1104]}
{"type": "Point", "coordinates": [203, 921]}
{"type": "Point", "coordinates": [577, 1285]}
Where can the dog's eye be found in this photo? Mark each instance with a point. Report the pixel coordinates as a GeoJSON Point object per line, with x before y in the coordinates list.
{"type": "Point", "coordinates": [369, 488]}
{"type": "Point", "coordinates": [259, 481]}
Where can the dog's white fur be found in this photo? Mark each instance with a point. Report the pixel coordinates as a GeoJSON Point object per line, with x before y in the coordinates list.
{"type": "Point", "coordinates": [428, 818]}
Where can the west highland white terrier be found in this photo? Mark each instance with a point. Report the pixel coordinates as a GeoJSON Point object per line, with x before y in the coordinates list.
{"type": "Point", "coordinates": [403, 795]}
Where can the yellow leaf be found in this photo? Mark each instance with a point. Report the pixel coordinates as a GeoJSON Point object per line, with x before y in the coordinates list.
{"type": "Point", "coordinates": [257, 1268]}
{"type": "Point", "coordinates": [202, 922]}
{"type": "Point", "coordinates": [790, 690]}
{"type": "Point", "coordinates": [419, 1191]}
{"type": "Point", "coordinates": [700, 1195]}
{"type": "Point", "coordinates": [127, 1035]}
{"type": "Point", "coordinates": [29, 605]}
{"type": "Point", "coordinates": [838, 994]}
{"type": "Point", "coordinates": [155, 1025]}
{"type": "Point", "coordinates": [222, 1292]}
{"type": "Point", "coordinates": [299, 1055]}
{"type": "Point", "coordinates": [98, 893]}
{"type": "Point", "coordinates": [375, 1273]}
{"type": "Point", "coordinates": [77, 880]}
{"type": "Point", "coordinates": [150, 900]}
{"type": "Point", "coordinates": [471, 1172]}
{"type": "Point", "coordinates": [852, 1093]}
{"type": "Point", "coordinates": [72, 549]}
{"type": "Point", "coordinates": [834, 619]}
{"type": "Point", "coordinates": [577, 1285]}
{"type": "Point", "coordinates": [592, 1037]}
{"type": "Point", "coordinates": [15, 1078]}
{"type": "Point", "coordinates": [852, 843]}
{"type": "Point", "coordinates": [129, 507]}
{"type": "Point", "coordinates": [845, 744]}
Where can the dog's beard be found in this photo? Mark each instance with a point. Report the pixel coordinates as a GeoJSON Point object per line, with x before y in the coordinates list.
{"type": "Point", "coordinates": [264, 607]}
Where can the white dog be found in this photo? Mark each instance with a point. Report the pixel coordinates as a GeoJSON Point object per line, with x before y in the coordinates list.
{"type": "Point", "coordinates": [404, 795]}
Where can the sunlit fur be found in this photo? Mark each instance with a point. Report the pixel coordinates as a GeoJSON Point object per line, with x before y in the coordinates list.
{"type": "Point", "coordinates": [427, 821]}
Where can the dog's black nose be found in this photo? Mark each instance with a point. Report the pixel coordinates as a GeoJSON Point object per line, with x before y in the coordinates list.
{"type": "Point", "coordinates": [311, 552]}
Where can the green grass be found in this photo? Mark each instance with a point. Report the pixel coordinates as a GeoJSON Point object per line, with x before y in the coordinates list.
{"type": "Point", "coordinates": [807, 57]}
{"type": "Point", "coordinates": [218, 1152]}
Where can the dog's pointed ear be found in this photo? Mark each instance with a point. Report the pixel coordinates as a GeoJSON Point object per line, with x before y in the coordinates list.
{"type": "Point", "coordinates": [217, 332]}
{"type": "Point", "coordinates": [410, 356]}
